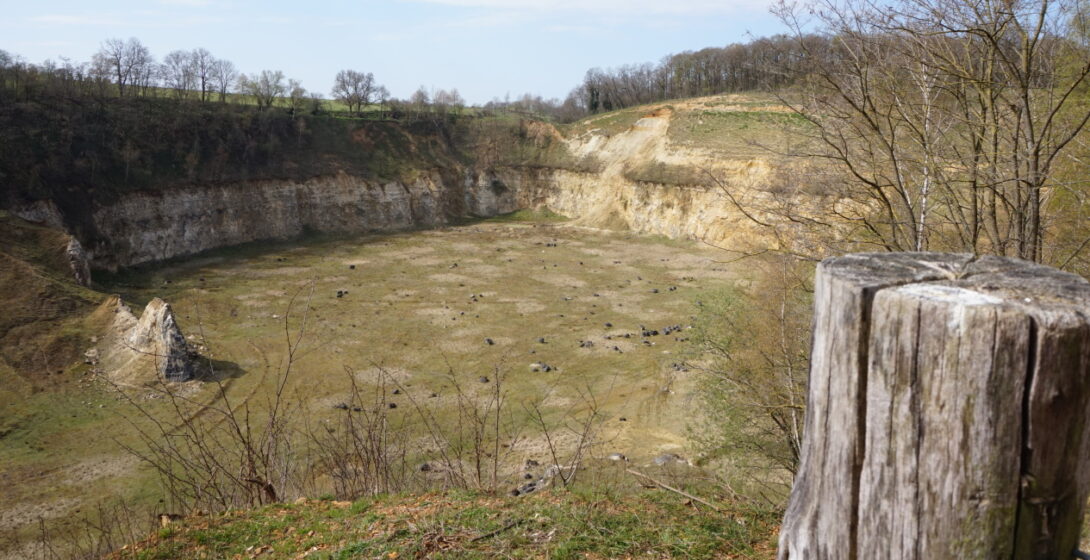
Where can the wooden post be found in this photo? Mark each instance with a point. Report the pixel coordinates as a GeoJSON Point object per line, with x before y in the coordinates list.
{"type": "Point", "coordinates": [948, 411]}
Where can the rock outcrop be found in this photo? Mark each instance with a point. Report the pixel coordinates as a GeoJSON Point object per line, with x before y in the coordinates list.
{"type": "Point", "coordinates": [157, 335]}
{"type": "Point", "coordinates": [134, 347]}
{"type": "Point", "coordinates": [77, 260]}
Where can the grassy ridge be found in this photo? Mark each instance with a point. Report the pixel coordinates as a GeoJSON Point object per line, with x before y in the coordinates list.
{"type": "Point", "coordinates": [461, 525]}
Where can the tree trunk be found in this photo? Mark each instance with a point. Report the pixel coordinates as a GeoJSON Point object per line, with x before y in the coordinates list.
{"type": "Point", "coordinates": [948, 411]}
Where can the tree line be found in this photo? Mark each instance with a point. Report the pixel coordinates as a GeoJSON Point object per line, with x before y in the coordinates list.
{"type": "Point", "coordinates": [126, 68]}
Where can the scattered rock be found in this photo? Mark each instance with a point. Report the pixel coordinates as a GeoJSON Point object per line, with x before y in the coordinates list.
{"type": "Point", "coordinates": [483, 379]}
{"type": "Point", "coordinates": [616, 457]}
{"type": "Point", "coordinates": [489, 341]}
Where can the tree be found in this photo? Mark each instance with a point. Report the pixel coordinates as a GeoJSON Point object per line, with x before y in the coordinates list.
{"type": "Point", "coordinates": [127, 62]}
{"type": "Point", "coordinates": [297, 96]}
{"type": "Point", "coordinates": [354, 89]}
{"type": "Point", "coordinates": [420, 99]}
{"type": "Point", "coordinates": [948, 117]}
{"type": "Point", "coordinates": [179, 73]}
{"type": "Point", "coordinates": [204, 65]}
{"type": "Point", "coordinates": [451, 100]}
{"type": "Point", "coordinates": [265, 87]}
{"type": "Point", "coordinates": [224, 77]}
{"type": "Point", "coordinates": [754, 361]}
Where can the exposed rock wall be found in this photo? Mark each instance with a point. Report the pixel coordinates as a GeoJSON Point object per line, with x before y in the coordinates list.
{"type": "Point", "coordinates": [676, 211]}
{"type": "Point", "coordinates": [151, 226]}
{"type": "Point", "coordinates": [147, 227]}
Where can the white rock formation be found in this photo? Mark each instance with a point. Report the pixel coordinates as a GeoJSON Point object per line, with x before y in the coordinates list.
{"type": "Point", "coordinates": [132, 348]}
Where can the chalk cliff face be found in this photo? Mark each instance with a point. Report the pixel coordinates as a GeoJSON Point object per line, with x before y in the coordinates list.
{"type": "Point", "coordinates": [147, 227]}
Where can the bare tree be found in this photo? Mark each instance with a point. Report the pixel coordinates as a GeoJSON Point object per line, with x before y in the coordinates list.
{"type": "Point", "coordinates": [224, 76]}
{"type": "Point", "coordinates": [265, 87]}
{"type": "Point", "coordinates": [204, 68]}
{"type": "Point", "coordinates": [947, 116]}
{"type": "Point", "coordinates": [128, 63]}
{"type": "Point", "coordinates": [297, 95]}
{"type": "Point", "coordinates": [179, 73]}
{"type": "Point", "coordinates": [355, 89]}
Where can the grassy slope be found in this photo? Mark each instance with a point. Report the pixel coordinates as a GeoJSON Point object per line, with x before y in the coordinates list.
{"type": "Point", "coordinates": [556, 524]}
{"type": "Point", "coordinates": [42, 327]}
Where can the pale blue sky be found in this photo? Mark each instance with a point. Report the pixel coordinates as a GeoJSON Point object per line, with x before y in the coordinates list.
{"type": "Point", "coordinates": [485, 48]}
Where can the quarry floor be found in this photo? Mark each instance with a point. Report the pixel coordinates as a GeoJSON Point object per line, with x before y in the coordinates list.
{"type": "Point", "coordinates": [423, 311]}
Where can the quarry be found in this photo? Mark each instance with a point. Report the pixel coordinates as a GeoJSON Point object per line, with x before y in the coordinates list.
{"type": "Point", "coordinates": [567, 292]}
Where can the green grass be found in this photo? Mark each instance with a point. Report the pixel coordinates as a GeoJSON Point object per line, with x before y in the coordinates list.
{"type": "Point", "coordinates": [607, 124]}
{"type": "Point", "coordinates": [528, 215]}
{"type": "Point", "coordinates": [737, 133]}
{"type": "Point", "coordinates": [558, 525]}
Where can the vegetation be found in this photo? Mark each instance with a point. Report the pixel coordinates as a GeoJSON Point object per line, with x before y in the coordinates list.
{"type": "Point", "coordinates": [947, 119]}
{"type": "Point", "coordinates": [755, 341]}
{"type": "Point", "coordinates": [556, 525]}
{"type": "Point", "coordinates": [44, 324]}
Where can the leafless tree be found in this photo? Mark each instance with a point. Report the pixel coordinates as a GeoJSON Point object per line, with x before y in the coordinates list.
{"type": "Point", "coordinates": [204, 65]}
{"type": "Point", "coordinates": [129, 63]}
{"type": "Point", "coordinates": [355, 89]}
{"type": "Point", "coordinates": [224, 76]}
{"type": "Point", "coordinates": [297, 96]}
{"type": "Point", "coordinates": [948, 117]}
{"type": "Point", "coordinates": [265, 87]}
{"type": "Point", "coordinates": [179, 73]}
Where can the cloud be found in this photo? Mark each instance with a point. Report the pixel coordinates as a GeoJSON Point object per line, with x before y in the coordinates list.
{"type": "Point", "coordinates": [625, 7]}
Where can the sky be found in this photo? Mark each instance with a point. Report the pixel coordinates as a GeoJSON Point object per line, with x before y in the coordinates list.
{"type": "Point", "coordinates": [485, 48]}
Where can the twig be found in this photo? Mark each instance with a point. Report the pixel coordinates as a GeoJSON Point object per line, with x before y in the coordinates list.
{"type": "Point", "coordinates": [672, 489]}
{"type": "Point", "coordinates": [509, 526]}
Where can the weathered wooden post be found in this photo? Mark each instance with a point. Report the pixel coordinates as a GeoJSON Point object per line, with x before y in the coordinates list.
{"type": "Point", "coordinates": [948, 411]}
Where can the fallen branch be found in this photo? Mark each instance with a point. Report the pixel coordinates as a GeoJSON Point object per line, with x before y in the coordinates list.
{"type": "Point", "coordinates": [507, 527]}
{"type": "Point", "coordinates": [672, 489]}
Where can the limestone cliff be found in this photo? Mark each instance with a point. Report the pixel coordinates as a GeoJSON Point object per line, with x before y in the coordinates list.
{"type": "Point", "coordinates": [151, 226]}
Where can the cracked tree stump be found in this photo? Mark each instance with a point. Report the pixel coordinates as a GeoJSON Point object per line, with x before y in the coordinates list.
{"type": "Point", "coordinates": [948, 411]}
